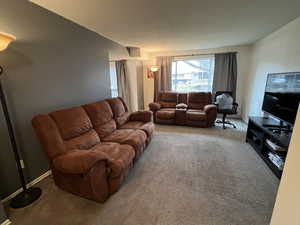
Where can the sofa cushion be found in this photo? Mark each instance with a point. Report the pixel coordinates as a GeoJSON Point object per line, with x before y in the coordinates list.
{"type": "Point", "coordinates": [101, 116]}
{"type": "Point", "coordinates": [138, 125]}
{"type": "Point", "coordinates": [196, 115]}
{"type": "Point", "coordinates": [168, 99]}
{"type": "Point", "coordinates": [135, 138]}
{"type": "Point", "coordinates": [120, 111]}
{"type": "Point", "coordinates": [166, 114]}
{"type": "Point", "coordinates": [85, 141]}
{"type": "Point", "coordinates": [72, 122]}
{"type": "Point", "coordinates": [121, 157]}
{"type": "Point", "coordinates": [167, 104]}
{"type": "Point", "coordinates": [168, 96]}
{"type": "Point", "coordinates": [197, 100]}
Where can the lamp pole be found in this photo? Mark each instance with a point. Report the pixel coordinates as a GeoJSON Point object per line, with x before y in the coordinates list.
{"type": "Point", "coordinates": [28, 195]}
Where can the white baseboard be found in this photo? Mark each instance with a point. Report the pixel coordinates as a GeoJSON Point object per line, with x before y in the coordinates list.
{"type": "Point", "coordinates": [6, 222]}
{"type": "Point", "coordinates": [35, 181]}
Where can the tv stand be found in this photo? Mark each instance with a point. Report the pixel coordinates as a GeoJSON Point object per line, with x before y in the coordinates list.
{"type": "Point", "coordinates": [269, 122]}
{"type": "Point", "coordinates": [258, 133]}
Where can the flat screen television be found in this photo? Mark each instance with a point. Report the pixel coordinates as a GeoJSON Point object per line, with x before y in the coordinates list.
{"type": "Point", "coordinates": [282, 96]}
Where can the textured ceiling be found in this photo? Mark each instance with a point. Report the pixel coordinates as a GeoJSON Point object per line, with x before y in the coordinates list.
{"type": "Point", "coordinates": [160, 25]}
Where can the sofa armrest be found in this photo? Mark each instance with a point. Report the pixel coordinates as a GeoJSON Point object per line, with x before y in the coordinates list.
{"type": "Point", "coordinates": [210, 107]}
{"type": "Point", "coordinates": [154, 106]}
{"type": "Point", "coordinates": [211, 112]}
{"type": "Point", "coordinates": [79, 161]}
{"type": "Point", "coordinates": [144, 116]}
{"type": "Point", "coordinates": [48, 135]}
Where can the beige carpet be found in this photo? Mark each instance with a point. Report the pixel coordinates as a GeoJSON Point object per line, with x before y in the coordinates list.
{"type": "Point", "coordinates": [187, 176]}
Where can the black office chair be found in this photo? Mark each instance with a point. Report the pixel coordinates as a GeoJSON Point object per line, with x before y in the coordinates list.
{"type": "Point", "coordinates": [226, 112]}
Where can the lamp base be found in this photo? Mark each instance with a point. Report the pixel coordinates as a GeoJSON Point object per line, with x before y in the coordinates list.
{"type": "Point", "coordinates": [25, 198]}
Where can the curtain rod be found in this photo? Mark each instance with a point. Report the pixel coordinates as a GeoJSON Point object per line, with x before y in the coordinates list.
{"type": "Point", "coordinates": [199, 54]}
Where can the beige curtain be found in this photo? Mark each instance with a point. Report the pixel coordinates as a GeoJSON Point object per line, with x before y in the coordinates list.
{"type": "Point", "coordinates": [225, 74]}
{"type": "Point", "coordinates": [123, 81]}
{"type": "Point", "coordinates": [163, 78]}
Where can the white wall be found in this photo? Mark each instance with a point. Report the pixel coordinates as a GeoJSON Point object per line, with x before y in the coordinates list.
{"type": "Point", "coordinates": [287, 208]}
{"type": "Point", "coordinates": [278, 52]}
{"type": "Point", "coordinates": [243, 57]}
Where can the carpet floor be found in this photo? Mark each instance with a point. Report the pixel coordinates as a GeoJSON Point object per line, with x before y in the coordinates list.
{"type": "Point", "coordinates": [187, 176]}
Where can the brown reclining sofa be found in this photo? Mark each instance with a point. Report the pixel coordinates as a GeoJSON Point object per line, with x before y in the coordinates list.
{"type": "Point", "coordinates": [197, 109]}
{"type": "Point", "coordinates": [92, 147]}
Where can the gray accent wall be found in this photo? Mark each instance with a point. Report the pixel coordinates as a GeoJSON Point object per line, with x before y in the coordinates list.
{"type": "Point", "coordinates": [54, 64]}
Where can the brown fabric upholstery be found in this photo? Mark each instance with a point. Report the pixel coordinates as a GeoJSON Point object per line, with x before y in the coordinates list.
{"type": "Point", "coordinates": [134, 138]}
{"type": "Point", "coordinates": [84, 141]}
{"type": "Point", "coordinates": [211, 112]}
{"type": "Point", "coordinates": [94, 185]}
{"type": "Point", "coordinates": [180, 115]}
{"type": "Point", "coordinates": [102, 117]}
{"type": "Point", "coordinates": [121, 157]}
{"type": "Point", "coordinates": [167, 99]}
{"type": "Point", "coordinates": [199, 110]}
{"type": "Point", "coordinates": [78, 161]}
{"type": "Point", "coordinates": [144, 116]}
{"type": "Point", "coordinates": [138, 125]}
{"type": "Point", "coordinates": [88, 155]}
{"type": "Point", "coordinates": [182, 98]}
{"type": "Point", "coordinates": [197, 100]}
{"type": "Point", "coordinates": [49, 136]}
{"type": "Point", "coordinates": [192, 114]}
{"type": "Point", "coordinates": [72, 122]}
{"type": "Point", "coordinates": [120, 110]}
{"type": "Point", "coordinates": [154, 106]}
{"type": "Point", "coordinates": [166, 114]}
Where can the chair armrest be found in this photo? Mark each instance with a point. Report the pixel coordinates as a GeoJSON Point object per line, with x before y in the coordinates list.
{"type": "Point", "coordinates": [144, 116]}
{"type": "Point", "coordinates": [154, 106]}
{"type": "Point", "coordinates": [79, 161]}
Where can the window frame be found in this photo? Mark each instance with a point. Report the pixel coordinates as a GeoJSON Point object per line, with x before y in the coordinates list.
{"type": "Point", "coordinates": [176, 59]}
{"type": "Point", "coordinates": [114, 90]}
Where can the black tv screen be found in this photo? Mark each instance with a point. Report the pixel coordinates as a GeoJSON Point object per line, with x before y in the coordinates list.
{"type": "Point", "coordinates": [282, 96]}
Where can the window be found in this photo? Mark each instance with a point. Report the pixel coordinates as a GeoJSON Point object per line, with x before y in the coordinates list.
{"type": "Point", "coordinates": [193, 74]}
{"type": "Point", "coordinates": [113, 79]}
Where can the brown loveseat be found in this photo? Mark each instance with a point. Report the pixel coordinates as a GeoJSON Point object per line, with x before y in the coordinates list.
{"type": "Point", "coordinates": [197, 109]}
{"type": "Point", "coordinates": [92, 147]}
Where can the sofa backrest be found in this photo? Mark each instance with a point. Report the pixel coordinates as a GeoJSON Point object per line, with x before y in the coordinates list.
{"type": "Point", "coordinates": [120, 110]}
{"type": "Point", "coordinates": [168, 99]}
{"type": "Point", "coordinates": [75, 128]}
{"type": "Point", "coordinates": [197, 100]}
{"type": "Point", "coordinates": [101, 116]}
{"type": "Point", "coordinates": [182, 98]}
{"type": "Point", "coordinates": [79, 127]}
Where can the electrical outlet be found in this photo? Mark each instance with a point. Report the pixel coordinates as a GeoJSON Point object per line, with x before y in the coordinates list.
{"type": "Point", "coordinates": [22, 164]}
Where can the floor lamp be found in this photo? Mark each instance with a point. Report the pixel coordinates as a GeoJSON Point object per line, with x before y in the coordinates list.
{"type": "Point", "coordinates": [28, 195]}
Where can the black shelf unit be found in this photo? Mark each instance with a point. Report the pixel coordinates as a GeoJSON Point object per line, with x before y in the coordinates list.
{"type": "Point", "coordinates": [259, 130]}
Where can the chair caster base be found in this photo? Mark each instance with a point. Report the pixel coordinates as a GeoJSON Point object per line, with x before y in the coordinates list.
{"type": "Point", "coordinates": [225, 122]}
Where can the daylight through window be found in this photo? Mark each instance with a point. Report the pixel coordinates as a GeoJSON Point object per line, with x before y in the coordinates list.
{"type": "Point", "coordinates": [193, 74]}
